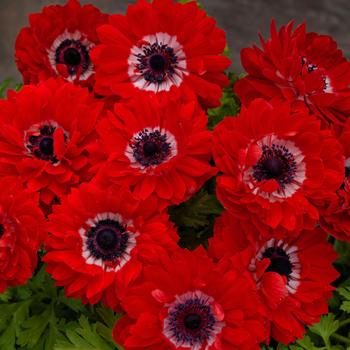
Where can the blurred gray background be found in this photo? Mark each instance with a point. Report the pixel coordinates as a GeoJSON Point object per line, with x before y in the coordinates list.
{"type": "Point", "coordinates": [241, 19]}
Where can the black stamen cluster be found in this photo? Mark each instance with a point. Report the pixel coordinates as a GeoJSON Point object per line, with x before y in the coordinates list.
{"type": "Point", "coordinates": [276, 163]}
{"type": "Point", "coordinates": [157, 63]}
{"type": "Point", "coordinates": [150, 148]}
{"type": "Point", "coordinates": [279, 261]}
{"type": "Point", "coordinates": [74, 55]}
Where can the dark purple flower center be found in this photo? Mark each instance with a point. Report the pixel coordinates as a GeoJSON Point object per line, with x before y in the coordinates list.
{"type": "Point", "coordinates": [41, 143]}
{"type": "Point", "coordinates": [157, 62]}
{"type": "Point", "coordinates": [191, 322]}
{"type": "Point", "coordinates": [107, 240]}
{"type": "Point", "coordinates": [2, 230]}
{"type": "Point", "coordinates": [150, 148]}
{"type": "Point", "coordinates": [346, 177]}
{"type": "Point", "coordinates": [276, 163]}
{"type": "Point", "coordinates": [72, 56]}
{"type": "Point", "coordinates": [311, 68]}
{"type": "Point", "coordinates": [347, 171]}
{"type": "Point", "coordinates": [75, 55]}
{"type": "Point", "coordinates": [279, 261]}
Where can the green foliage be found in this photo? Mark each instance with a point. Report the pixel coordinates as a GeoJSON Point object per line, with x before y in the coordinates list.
{"type": "Point", "coordinates": [186, 1]}
{"type": "Point", "coordinates": [345, 293]}
{"type": "Point", "coordinates": [325, 328]}
{"type": "Point", "coordinates": [86, 336]}
{"type": "Point", "coordinates": [8, 84]}
{"type": "Point", "coordinates": [39, 316]}
{"type": "Point", "coordinates": [195, 218]}
{"type": "Point", "coordinates": [304, 343]}
{"type": "Point", "coordinates": [230, 104]}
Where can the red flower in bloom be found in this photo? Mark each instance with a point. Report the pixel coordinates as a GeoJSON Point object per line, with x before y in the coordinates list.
{"type": "Point", "coordinates": [58, 43]}
{"type": "Point", "coordinates": [100, 239]}
{"type": "Point", "coordinates": [157, 149]}
{"type": "Point", "coordinates": [159, 47]}
{"type": "Point", "coordinates": [276, 165]}
{"type": "Point", "coordinates": [292, 272]}
{"type": "Point", "coordinates": [21, 232]}
{"type": "Point", "coordinates": [305, 69]}
{"type": "Point", "coordinates": [45, 135]}
{"type": "Point", "coordinates": [186, 303]}
{"type": "Point", "coordinates": [335, 214]}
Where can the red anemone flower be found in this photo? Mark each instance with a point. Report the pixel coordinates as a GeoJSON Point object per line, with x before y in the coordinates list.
{"type": "Point", "coordinates": [335, 214]}
{"type": "Point", "coordinates": [58, 43]}
{"type": "Point", "coordinates": [21, 233]}
{"type": "Point", "coordinates": [276, 165]}
{"type": "Point", "coordinates": [186, 303]}
{"type": "Point", "coordinates": [306, 69]}
{"type": "Point", "coordinates": [46, 131]}
{"type": "Point", "coordinates": [157, 149]}
{"type": "Point", "coordinates": [292, 272]}
{"type": "Point", "coordinates": [99, 240]}
{"type": "Point", "coordinates": [161, 47]}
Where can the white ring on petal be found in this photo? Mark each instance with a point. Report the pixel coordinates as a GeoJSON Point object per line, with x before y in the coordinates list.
{"type": "Point", "coordinates": [347, 162]}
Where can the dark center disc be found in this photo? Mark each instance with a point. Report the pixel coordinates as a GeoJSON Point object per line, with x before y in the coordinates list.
{"type": "Point", "coordinates": [192, 322]}
{"type": "Point", "coordinates": [46, 146]}
{"type": "Point", "coordinates": [157, 62]}
{"type": "Point", "coordinates": [107, 239]}
{"type": "Point", "coordinates": [279, 261]}
{"type": "Point", "coordinates": [72, 56]}
{"type": "Point", "coordinates": [150, 148]}
{"type": "Point", "coordinates": [273, 167]}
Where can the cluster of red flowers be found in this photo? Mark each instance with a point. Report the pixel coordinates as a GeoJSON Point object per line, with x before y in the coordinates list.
{"type": "Point", "coordinates": [110, 129]}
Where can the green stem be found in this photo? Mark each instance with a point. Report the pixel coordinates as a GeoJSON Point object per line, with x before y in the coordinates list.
{"type": "Point", "coordinates": [327, 343]}
{"type": "Point", "coordinates": [341, 338]}
{"type": "Point", "coordinates": [344, 323]}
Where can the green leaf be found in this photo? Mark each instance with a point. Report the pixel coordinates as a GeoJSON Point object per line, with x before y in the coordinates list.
{"type": "Point", "coordinates": [343, 262]}
{"type": "Point", "coordinates": [327, 326]}
{"type": "Point", "coordinates": [282, 347]}
{"type": "Point", "coordinates": [305, 343]}
{"type": "Point", "coordinates": [34, 327]}
{"type": "Point", "coordinates": [12, 316]}
{"type": "Point", "coordinates": [230, 104]}
{"type": "Point", "coordinates": [4, 86]}
{"type": "Point", "coordinates": [86, 337]}
{"type": "Point", "coordinates": [74, 304]}
{"type": "Point", "coordinates": [187, 1]}
{"type": "Point", "coordinates": [195, 218]}
{"type": "Point", "coordinates": [265, 347]}
{"type": "Point", "coordinates": [195, 212]}
{"type": "Point", "coordinates": [38, 316]}
{"type": "Point", "coordinates": [8, 84]}
{"type": "Point", "coordinates": [108, 316]}
{"type": "Point", "coordinates": [345, 293]}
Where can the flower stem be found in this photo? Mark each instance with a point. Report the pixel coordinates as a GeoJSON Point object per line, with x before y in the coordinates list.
{"type": "Point", "coordinates": [341, 338]}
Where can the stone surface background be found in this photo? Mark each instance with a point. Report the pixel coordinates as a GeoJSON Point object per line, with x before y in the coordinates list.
{"type": "Point", "coordinates": [241, 19]}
